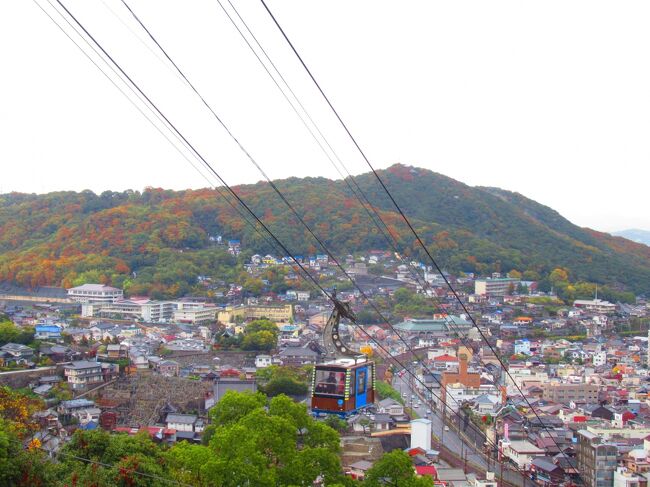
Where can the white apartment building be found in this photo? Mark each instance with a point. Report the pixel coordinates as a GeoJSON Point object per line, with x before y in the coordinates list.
{"type": "Point", "coordinates": [195, 316]}
{"type": "Point", "coordinates": [524, 377]}
{"type": "Point", "coordinates": [494, 287]}
{"type": "Point", "coordinates": [459, 393]}
{"type": "Point", "coordinates": [599, 358]}
{"type": "Point", "coordinates": [95, 293]}
{"type": "Point", "coordinates": [597, 305]}
{"type": "Point", "coordinates": [142, 309]}
{"type": "Point", "coordinates": [520, 452]}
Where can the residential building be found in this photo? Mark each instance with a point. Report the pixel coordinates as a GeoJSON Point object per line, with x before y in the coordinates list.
{"type": "Point", "coordinates": [47, 332]}
{"type": "Point", "coordinates": [391, 407]}
{"type": "Point", "coordinates": [262, 361]}
{"type": "Point", "coordinates": [520, 452]}
{"type": "Point", "coordinates": [195, 315]}
{"type": "Point", "coordinates": [546, 472]}
{"type": "Point", "coordinates": [599, 358]}
{"type": "Point", "coordinates": [596, 459]}
{"type": "Point", "coordinates": [15, 353]}
{"type": "Point", "coordinates": [277, 313]}
{"type": "Point", "coordinates": [83, 373]}
{"type": "Point", "coordinates": [296, 355]}
{"type": "Point", "coordinates": [457, 393]}
{"type": "Point", "coordinates": [95, 293]}
{"type": "Point", "coordinates": [116, 351]}
{"type": "Point", "coordinates": [566, 393]}
{"type": "Point", "coordinates": [495, 287]}
{"type": "Point", "coordinates": [298, 295]}
{"type": "Point", "coordinates": [489, 480]}
{"type": "Point", "coordinates": [626, 478]}
{"type": "Point", "coordinates": [169, 368]}
{"type": "Point", "coordinates": [181, 422]}
{"type": "Point", "coordinates": [595, 305]}
{"type": "Point", "coordinates": [522, 347]}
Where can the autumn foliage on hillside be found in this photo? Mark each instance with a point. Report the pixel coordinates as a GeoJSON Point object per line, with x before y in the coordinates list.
{"type": "Point", "coordinates": [157, 242]}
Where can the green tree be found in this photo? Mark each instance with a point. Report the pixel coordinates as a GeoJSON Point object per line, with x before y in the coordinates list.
{"type": "Point", "coordinates": [336, 423]}
{"type": "Point", "coordinates": [385, 390]}
{"type": "Point", "coordinates": [395, 469]}
{"type": "Point", "coordinates": [260, 335]}
{"type": "Point", "coordinates": [261, 325]}
{"type": "Point", "coordinates": [260, 340]}
{"type": "Point", "coordinates": [233, 406]}
{"type": "Point", "coordinates": [187, 463]}
{"type": "Point", "coordinates": [251, 445]}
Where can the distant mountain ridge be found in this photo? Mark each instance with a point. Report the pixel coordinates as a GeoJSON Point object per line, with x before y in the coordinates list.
{"type": "Point", "coordinates": [635, 234]}
{"type": "Point", "coordinates": [65, 237]}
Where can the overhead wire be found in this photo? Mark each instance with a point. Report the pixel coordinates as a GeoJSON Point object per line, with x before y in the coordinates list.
{"type": "Point", "coordinates": [217, 188]}
{"type": "Point", "coordinates": [408, 223]}
{"type": "Point", "coordinates": [279, 193]}
{"type": "Point", "coordinates": [359, 193]}
{"type": "Point", "coordinates": [206, 163]}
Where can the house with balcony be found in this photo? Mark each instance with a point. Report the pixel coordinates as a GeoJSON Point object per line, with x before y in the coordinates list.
{"type": "Point", "coordinates": [15, 353]}
{"type": "Point", "coordinates": [83, 373]}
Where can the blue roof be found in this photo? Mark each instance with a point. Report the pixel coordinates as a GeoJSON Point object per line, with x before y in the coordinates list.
{"type": "Point", "coordinates": [288, 328]}
{"type": "Point", "coordinates": [52, 328]}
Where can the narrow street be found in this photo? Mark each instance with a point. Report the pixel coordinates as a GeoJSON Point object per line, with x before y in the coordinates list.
{"type": "Point", "coordinates": [448, 441]}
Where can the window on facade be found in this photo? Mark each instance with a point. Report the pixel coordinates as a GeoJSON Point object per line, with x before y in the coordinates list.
{"type": "Point", "coordinates": [361, 381]}
{"type": "Point", "coordinates": [330, 382]}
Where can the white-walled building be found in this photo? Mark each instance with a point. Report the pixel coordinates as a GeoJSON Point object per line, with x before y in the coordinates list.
{"type": "Point", "coordinates": [522, 347]}
{"type": "Point", "coordinates": [263, 361]}
{"type": "Point", "coordinates": [521, 452]}
{"type": "Point", "coordinates": [181, 422]}
{"type": "Point", "coordinates": [599, 358]}
{"type": "Point", "coordinates": [494, 287]}
{"type": "Point", "coordinates": [421, 434]}
{"type": "Point", "coordinates": [195, 316]}
{"type": "Point", "coordinates": [95, 293]}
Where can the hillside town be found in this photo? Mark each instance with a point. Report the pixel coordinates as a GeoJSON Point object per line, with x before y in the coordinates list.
{"type": "Point", "coordinates": [569, 408]}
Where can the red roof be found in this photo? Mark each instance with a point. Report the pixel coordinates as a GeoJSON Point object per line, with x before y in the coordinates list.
{"type": "Point", "coordinates": [426, 470]}
{"type": "Point", "coordinates": [445, 358]}
{"type": "Point", "coordinates": [415, 451]}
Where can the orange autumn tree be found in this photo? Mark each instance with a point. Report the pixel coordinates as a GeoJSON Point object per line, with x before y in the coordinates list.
{"type": "Point", "coordinates": [17, 410]}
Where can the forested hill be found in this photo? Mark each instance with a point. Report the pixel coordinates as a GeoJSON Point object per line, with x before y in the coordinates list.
{"type": "Point", "coordinates": [66, 238]}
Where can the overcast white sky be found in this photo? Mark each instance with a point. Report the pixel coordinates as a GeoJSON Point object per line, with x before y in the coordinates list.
{"type": "Point", "coordinates": [550, 99]}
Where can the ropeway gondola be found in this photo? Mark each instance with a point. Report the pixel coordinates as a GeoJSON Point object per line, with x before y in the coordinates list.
{"type": "Point", "coordinates": [346, 383]}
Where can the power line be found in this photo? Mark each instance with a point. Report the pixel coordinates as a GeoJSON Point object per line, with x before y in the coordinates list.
{"type": "Point", "coordinates": [218, 189]}
{"type": "Point", "coordinates": [207, 164]}
{"type": "Point", "coordinates": [289, 205]}
{"type": "Point", "coordinates": [406, 220]}
{"type": "Point", "coordinates": [271, 183]}
{"type": "Point", "coordinates": [277, 191]}
{"type": "Point", "coordinates": [390, 238]}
